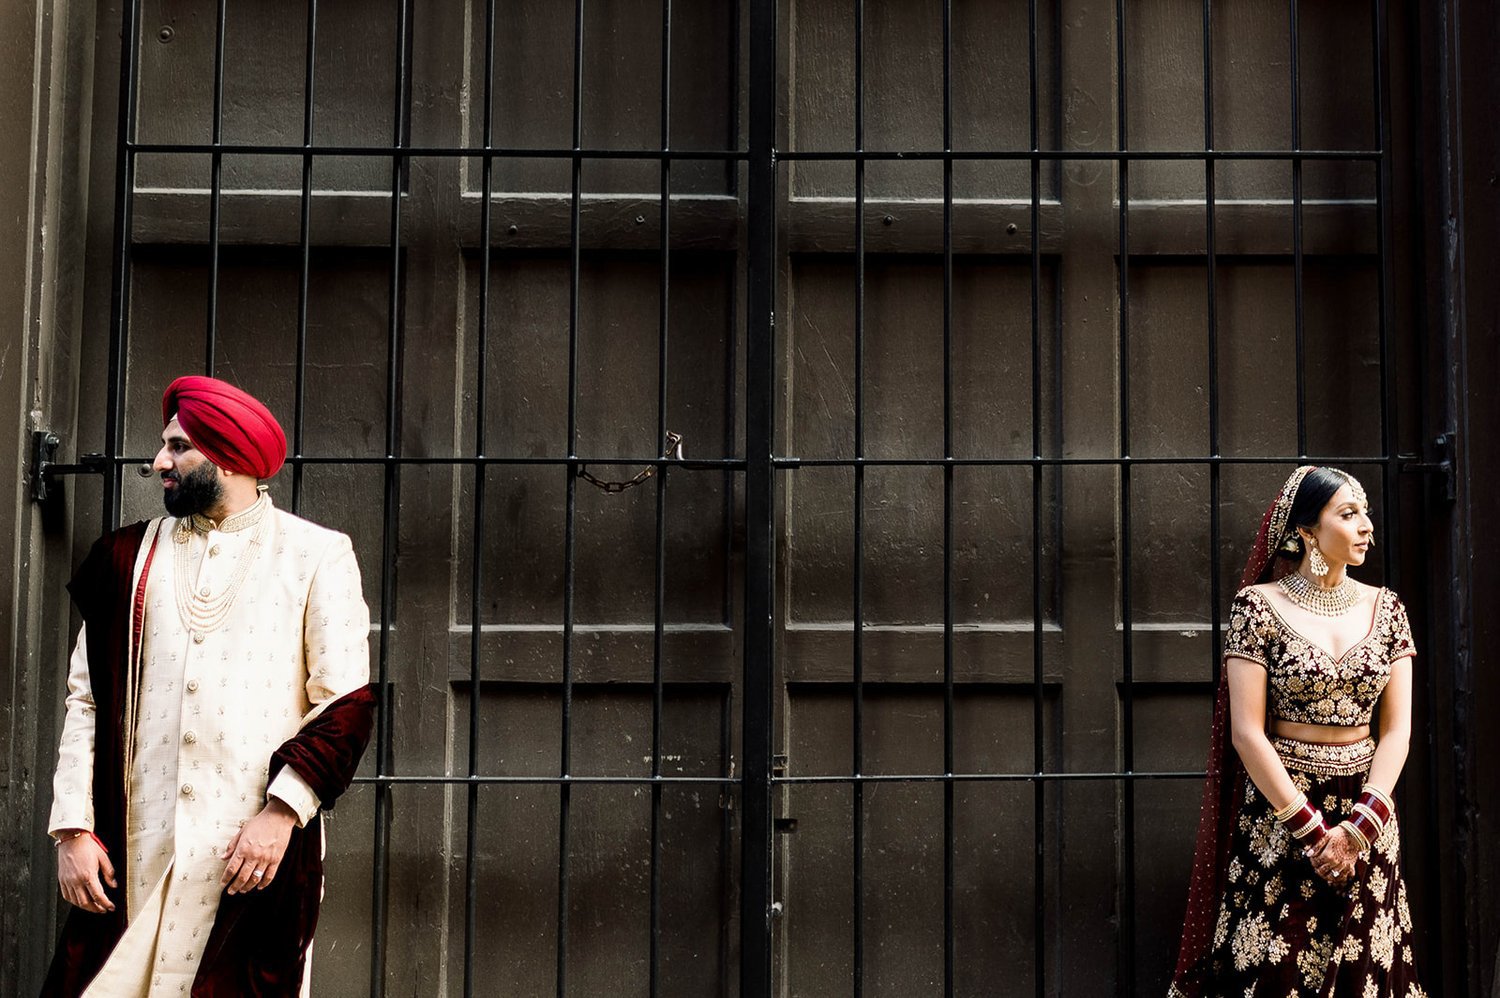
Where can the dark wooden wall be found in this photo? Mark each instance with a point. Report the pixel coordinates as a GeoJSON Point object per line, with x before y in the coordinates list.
{"type": "Point", "coordinates": [1086, 894]}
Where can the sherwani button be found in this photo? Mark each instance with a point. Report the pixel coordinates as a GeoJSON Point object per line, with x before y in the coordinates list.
{"type": "Point", "coordinates": [213, 552]}
{"type": "Point", "coordinates": [192, 686]}
{"type": "Point", "coordinates": [204, 591]}
{"type": "Point", "coordinates": [187, 790]}
{"type": "Point", "coordinates": [197, 638]}
{"type": "Point", "coordinates": [190, 737]}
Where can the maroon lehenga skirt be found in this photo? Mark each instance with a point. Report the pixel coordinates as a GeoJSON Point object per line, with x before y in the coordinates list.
{"type": "Point", "coordinates": [1283, 931]}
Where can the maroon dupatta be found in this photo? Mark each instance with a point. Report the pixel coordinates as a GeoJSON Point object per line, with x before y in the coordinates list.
{"type": "Point", "coordinates": [1224, 784]}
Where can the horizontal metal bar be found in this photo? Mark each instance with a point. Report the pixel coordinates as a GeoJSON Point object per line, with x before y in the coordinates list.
{"type": "Point", "coordinates": [989, 777]}
{"type": "Point", "coordinates": [1126, 155]}
{"type": "Point", "coordinates": [707, 464]}
{"type": "Point", "coordinates": [918, 155]}
{"type": "Point", "coordinates": [433, 152]}
{"type": "Point", "coordinates": [794, 463]}
{"type": "Point", "coordinates": [459, 780]}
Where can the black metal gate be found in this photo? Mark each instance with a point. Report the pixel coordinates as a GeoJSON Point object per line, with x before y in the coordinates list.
{"type": "Point", "coordinates": [1164, 464]}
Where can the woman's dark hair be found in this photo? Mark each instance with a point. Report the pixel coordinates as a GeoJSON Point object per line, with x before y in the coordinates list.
{"type": "Point", "coordinates": [1317, 488]}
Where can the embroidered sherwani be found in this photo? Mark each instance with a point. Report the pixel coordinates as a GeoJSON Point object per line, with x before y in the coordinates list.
{"type": "Point", "coordinates": [250, 628]}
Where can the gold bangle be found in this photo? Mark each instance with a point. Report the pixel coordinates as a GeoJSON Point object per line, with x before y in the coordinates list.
{"type": "Point", "coordinates": [1296, 805]}
{"type": "Point", "coordinates": [1356, 835]}
{"type": "Point", "coordinates": [1380, 795]}
{"type": "Point", "coordinates": [1312, 823]}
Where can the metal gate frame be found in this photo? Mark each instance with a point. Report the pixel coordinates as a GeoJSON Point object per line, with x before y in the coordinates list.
{"type": "Point", "coordinates": [761, 464]}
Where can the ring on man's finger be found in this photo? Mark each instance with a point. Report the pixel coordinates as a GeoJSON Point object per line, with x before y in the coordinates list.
{"type": "Point", "coordinates": [258, 874]}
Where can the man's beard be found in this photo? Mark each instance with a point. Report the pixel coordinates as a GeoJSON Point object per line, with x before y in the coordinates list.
{"type": "Point", "coordinates": [197, 492]}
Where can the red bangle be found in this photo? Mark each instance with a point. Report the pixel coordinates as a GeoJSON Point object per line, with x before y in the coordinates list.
{"type": "Point", "coordinates": [1371, 813]}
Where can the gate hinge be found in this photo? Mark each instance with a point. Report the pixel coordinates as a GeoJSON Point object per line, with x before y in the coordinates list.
{"type": "Point", "coordinates": [1444, 447]}
{"type": "Point", "coordinates": [44, 444]}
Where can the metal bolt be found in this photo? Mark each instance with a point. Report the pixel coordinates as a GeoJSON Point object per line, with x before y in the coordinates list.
{"type": "Point", "coordinates": [888, 220]}
{"type": "Point", "coordinates": [640, 220]}
{"type": "Point", "coordinates": [165, 34]}
{"type": "Point", "coordinates": [1011, 229]}
{"type": "Point", "coordinates": [514, 228]}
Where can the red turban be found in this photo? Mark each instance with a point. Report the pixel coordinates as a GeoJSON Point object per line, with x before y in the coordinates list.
{"type": "Point", "coordinates": [231, 427]}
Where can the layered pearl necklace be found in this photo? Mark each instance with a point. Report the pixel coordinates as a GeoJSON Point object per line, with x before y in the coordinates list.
{"type": "Point", "coordinates": [202, 613]}
{"type": "Point", "coordinates": [1315, 599]}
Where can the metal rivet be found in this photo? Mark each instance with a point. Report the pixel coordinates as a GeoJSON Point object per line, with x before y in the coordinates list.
{"type": "Point", "coordinates": [640, 220]}
{"type": "Point", "coordinates": [888, 220]}
{"type": "Point", "coordinates": [1011, 229]}
{"type": "Point", "coordinates": [514, 229]}
{"type": "Point", "coordinates": [165, 34]}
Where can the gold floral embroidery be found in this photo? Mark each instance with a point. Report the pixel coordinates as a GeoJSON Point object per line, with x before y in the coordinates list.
{"type": "Point", "coordinates": [1306, 683]}
{"type": "Point", "coordinates": [1235, 869]}
{"type": "Point", "coordinates": [1402, 911]}
{"type": "Point", "coordinates": [1372, 990]}
{"type": "Point", "coordinates": [1255, 943]}
{"type": "Point", "coordinates": [1313, 960]}
{"type": "Point", "coordinates": [1221, 931]}
{"type": "Point", "coordinates": [1377, 885]}
{"type": "Point", "coordinates": [1348, 951]}
{"type": "Point", "coordinates": [1268, 839]}
{"type": "Point", "coordinates": [1388, 844]}
{"type": "Point", "coordinates": [1383, 936]}
{"type": "Point", "coordinates": [1273, 889]}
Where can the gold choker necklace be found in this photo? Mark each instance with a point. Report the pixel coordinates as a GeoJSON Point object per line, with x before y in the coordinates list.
{"type": "Point", "coordinates": [1315, 599]}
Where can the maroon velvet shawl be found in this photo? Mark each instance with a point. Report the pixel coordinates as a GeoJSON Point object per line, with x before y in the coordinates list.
{"type": "Point", "coordinates": [259, 939]}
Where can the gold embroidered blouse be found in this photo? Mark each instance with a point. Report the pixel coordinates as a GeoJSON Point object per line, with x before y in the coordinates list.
{"type": "Point", "coordinates": [1306, 684]}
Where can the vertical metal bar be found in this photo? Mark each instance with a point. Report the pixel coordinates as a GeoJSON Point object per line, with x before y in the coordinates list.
{"type": "Point", "coordinates": [1038, 744]}
{"type": "Point", "coordinates": [481, 476]}
{"type": "Point", "coordinates": [659, 609]}
{"type": "Point", "coordinates": [119, 299]}
{"type": "Point", "coordinates": [1210, 176]}
{"type": "Point", "coordinates": [949, 872]}
{"type": "Point", "coordinates": [380, 900]}
{"type": "Point", "coordinates": [859, 501]}
{"type": "Point", "coordinates": [1390, 465]}
{"type": "Point", "coordinates": [1297, 272]}
{"type": "Point", "coordinates": [565, 790]}
{"type": "Point", "coordinates": [760, 508]}
{"type": "Point", "coordinates": [1127, 704]}
{"type": "Point", "coordinates": [304, 240]}
{"type": "Point", "coordinates": [215, 189]}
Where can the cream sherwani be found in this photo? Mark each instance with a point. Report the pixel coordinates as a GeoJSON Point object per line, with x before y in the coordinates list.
{"type": "Point", "coordinates": [250, 626]}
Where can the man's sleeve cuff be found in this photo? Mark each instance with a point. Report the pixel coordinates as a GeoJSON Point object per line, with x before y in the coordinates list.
{"type": "Point", "coordinates": [293, 791]}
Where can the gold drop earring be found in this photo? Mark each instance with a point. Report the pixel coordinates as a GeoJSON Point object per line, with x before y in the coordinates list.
{"type": "Point", "coordinates": [1315, 560]}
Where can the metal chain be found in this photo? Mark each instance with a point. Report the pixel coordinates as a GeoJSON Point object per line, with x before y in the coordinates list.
{"type": "Point", "coordinates": [671, 452]}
